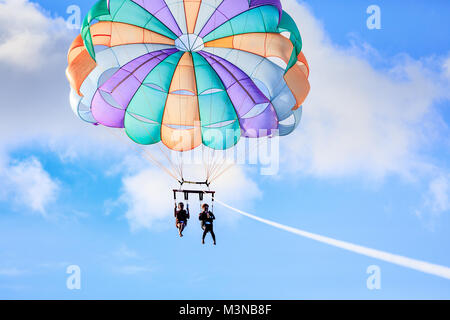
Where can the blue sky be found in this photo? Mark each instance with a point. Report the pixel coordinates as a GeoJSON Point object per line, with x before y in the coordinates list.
{"type": "Point", "coordinates": [369, 165]}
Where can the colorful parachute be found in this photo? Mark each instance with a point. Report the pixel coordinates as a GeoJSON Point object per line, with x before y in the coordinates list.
{"type": "Point", "coordinates": [173, 70]}
{"type": "Point", "coordinates": [189, 73]}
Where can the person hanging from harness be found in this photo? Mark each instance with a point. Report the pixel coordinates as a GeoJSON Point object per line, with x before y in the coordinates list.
{"type": "Point", "coordinates": [182, 216]}
{"type": "Point", "coordinates": [207, 217]}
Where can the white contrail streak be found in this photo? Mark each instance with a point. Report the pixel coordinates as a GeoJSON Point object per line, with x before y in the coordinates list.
{"type": "Point", "coordinates": [422, 266]}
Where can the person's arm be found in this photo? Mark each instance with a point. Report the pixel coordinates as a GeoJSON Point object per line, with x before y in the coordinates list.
{"type": "Point", "coordinates": [213, 216]}
{"type": "Point", "coordinates": [175, 211]}
{"type": "Point", "coordinates": [188, 213]}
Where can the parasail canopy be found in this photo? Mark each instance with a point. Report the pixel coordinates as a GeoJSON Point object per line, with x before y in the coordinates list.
{"type": "Point", "coordinates": [189, 73]}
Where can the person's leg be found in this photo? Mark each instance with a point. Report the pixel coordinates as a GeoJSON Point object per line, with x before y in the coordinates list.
{"type": "Point", "coordinates": [205, 232]}
{"type": "Point", "coordinates": [182, 228]}
{"type": "Point", "coordinates": [213, 235]}
{"type": "Point", "coordinates": [210, 230]}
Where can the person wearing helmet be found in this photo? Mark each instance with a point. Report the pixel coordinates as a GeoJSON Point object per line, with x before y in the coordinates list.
{"type": "Point", "coordinates": [207, 218]}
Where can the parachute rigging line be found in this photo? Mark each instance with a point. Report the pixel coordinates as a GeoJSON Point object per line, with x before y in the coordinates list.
{"type": "Point", "coordinates": [145, 153]}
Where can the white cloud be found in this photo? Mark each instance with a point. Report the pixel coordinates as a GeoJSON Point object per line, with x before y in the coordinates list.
{"type": "Point", "coordinates": [359, 120]}
{"type": "Point", "coordinates": [28, 184]}
{"type": "Point", "coordinates": [35, 95]}
{"type": "Point", "coordinates": [27, 35]}
{"type": "Point", "coordinates": [142, 195]}
{"type": "Point", "coordinates": [148, 194]}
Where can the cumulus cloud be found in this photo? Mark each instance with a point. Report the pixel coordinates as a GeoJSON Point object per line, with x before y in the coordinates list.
{"type": "Point", "coordinates": [27, 184]}
{"type": "Point", "coordinates": [359, 120]}
{"type": "Point", "coordinates": [27, 35]}
{"type": "Point", "coordinates": [35, 93]}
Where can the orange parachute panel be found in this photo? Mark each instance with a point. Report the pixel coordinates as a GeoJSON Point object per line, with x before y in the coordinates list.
{"type": "Point", "coordinates": [221, 43]}
{"type": "Point", "coordinates": [182, 109]}
{"type": "Point", "coordinates": [191, 8]}
{"type": "Point", "coordinates": [184, 76]}
{"type": "Point", "coordinates": [181, 139]}
{"type": "Point", "coordinates": [298, 83]}
{"type": "Point", "coordinates": [113, 34]}
{"type": "Point", "coordinates": [272, 45]}
{"type": "Point", "coordinates": [262, 44]}
{"type": "Point", "coordinates": [80, 64]}
{"type": "Point", "coordinates": [303, 64]}
{"type": "Point", "coordinates": [75, 49]}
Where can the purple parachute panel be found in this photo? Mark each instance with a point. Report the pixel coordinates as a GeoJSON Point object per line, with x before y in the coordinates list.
{"type": "Point", "coordinates": [245, 96]}
{"type": "Point", "coordinates": [112, 98]}
{"type": "Point", "coordinates": [161, 11]}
